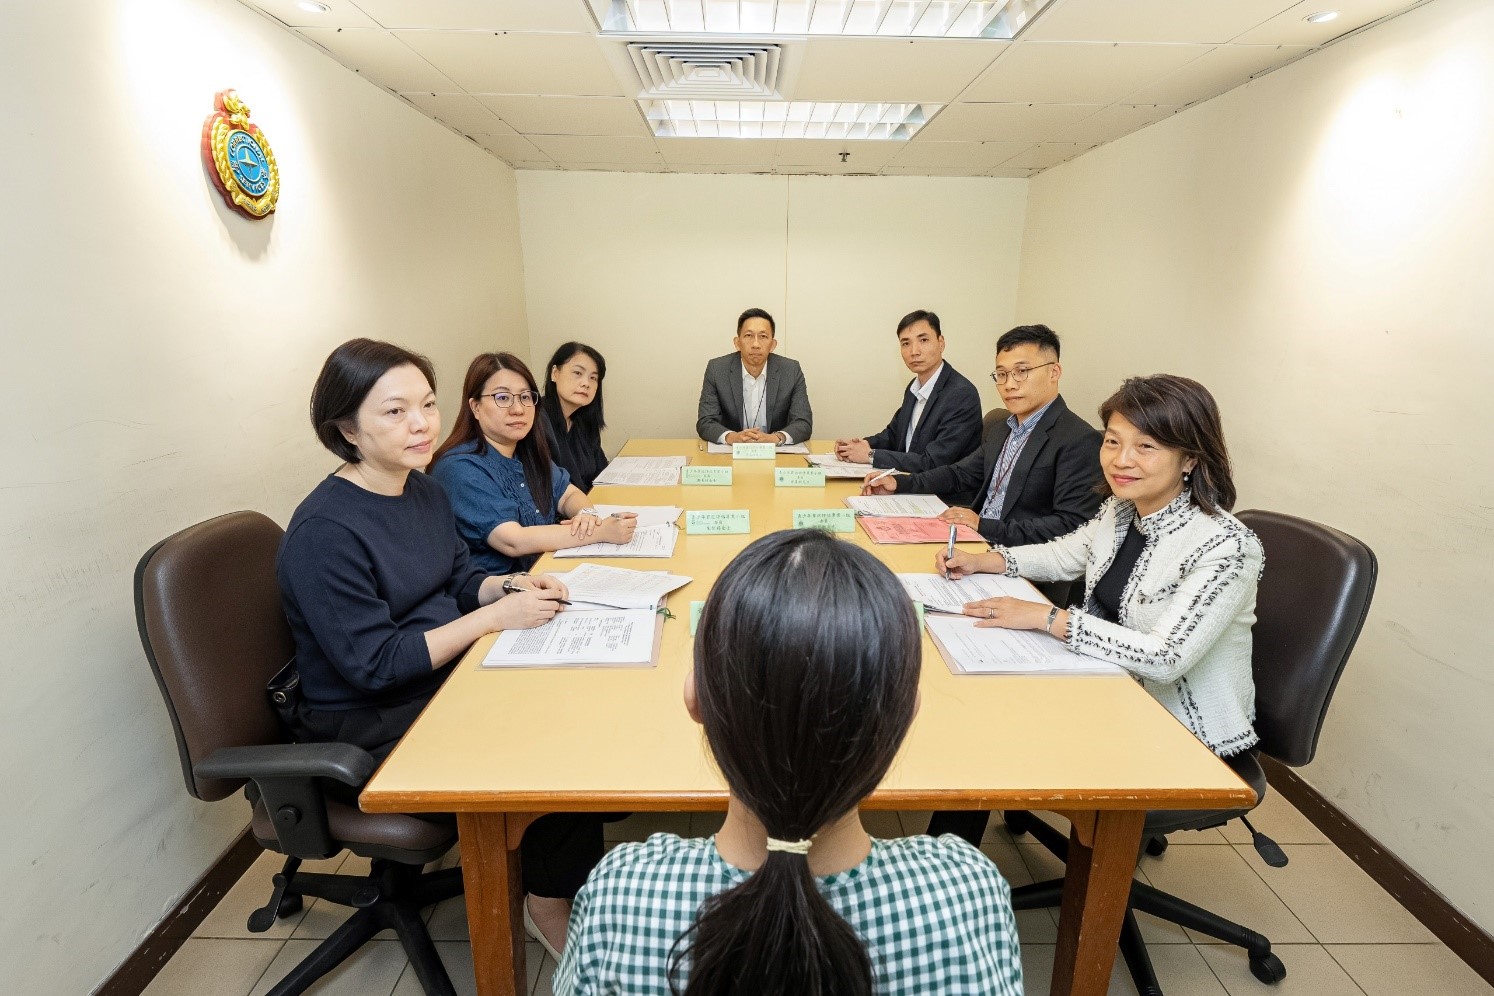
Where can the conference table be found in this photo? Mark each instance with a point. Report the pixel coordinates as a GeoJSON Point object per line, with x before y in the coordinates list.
{"type": "Point", "coordinates": [500, 747]}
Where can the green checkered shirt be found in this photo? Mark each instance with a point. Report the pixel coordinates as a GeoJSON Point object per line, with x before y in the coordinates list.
{"type": "Point", "coordinates": [935, 915]}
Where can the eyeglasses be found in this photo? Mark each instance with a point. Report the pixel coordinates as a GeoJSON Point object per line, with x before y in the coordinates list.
{"type": "Point", "coordinates": [1019, 374]}
{"type": "Point", "coordinates": [504, 399]}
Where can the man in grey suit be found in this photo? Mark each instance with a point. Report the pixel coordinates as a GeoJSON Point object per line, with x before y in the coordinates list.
{"type": "Point", "coordinates": [752, 395]}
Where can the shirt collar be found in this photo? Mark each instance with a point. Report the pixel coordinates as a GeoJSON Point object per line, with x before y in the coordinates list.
{"type": "Point", "coordinates": [1168, 515]}
{"type": "Point", "coordinates": [1023, 428]}
{"type": "Point", "coordinates": [922, 391]}
{"type": "Point", "coordinates": [748, 376]}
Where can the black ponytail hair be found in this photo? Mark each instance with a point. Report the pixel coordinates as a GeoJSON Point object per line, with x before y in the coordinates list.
{"type": "Point", "coordinates": [807, 658]}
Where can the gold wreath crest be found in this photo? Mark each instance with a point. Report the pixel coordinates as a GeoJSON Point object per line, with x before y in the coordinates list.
{"type": "Point", "coordinates": [230, 116]}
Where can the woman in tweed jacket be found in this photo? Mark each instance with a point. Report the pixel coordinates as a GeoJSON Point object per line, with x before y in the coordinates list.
{"type": "Point", "coordinates": [1171, 575]}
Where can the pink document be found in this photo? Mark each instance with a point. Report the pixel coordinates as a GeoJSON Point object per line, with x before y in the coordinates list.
{"type": "Point", "coordinates": [893, 529]}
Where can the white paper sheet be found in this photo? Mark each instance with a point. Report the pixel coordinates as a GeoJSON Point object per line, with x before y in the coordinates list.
{"type": "Point", "coordinates": [596, 585]}
{"type": "Point", "coordinates": [781, 448]}
{"type": "Point", "coordinates": [942, 593]}
{"type": "Point", "coordinates": [918, 506]}
{"type": "Point", "coordinates": [839, 468]}
{"type": "Point", "coordinates": [642, 472]}
{"type": "Point", "coordinates": [612, 638]}
{"type": "Point", "coordinates": [647, 541]}
{"type": "Point", "coordinates": [648, 515]}
{"type": "Point", "coordinates": [969, 650]}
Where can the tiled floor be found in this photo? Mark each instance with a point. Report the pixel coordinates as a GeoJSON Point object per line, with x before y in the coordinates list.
{"type": "Point", "coordinates": [1338, 933]}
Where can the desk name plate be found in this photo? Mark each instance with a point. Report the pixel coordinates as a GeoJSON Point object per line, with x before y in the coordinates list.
{"type": "Point", "coordinates": [754, 451]}
{"type": "Point", "coordinates": [695, 608]}
{"type": "Point", "coordinates": [835, 520]}
{"type": "Point", "coordinates": [705, 475]}
{"type": "Point", "coordinates": [719, 521]}
{"type": "Point", "coordinates": [798, 477]}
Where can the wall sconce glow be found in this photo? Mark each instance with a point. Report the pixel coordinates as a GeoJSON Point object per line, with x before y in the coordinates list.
{"type": "Point", "coordinates": [1321, 17]}
{"type": "Point", "coordinates": [785, 119]}
{"type": "Point", "coordinates": [866, 18]}
{"type": "Point", "coordinates": [312, 7]}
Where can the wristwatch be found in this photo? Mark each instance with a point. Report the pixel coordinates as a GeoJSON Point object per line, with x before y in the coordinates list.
{"type": "Point", "coordinates": [508, 583]}
{"type": "Point", "coordinates": [1052, 615]}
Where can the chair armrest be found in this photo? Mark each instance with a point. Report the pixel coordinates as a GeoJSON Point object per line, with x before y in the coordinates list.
{"type": "Point", "coordinates": [339, 762]}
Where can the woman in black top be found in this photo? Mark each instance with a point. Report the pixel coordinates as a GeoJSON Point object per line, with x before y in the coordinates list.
{"type": "Point", "coordinates": [381, 597]}
{"type": "Point", "coordinates": [572, 408]}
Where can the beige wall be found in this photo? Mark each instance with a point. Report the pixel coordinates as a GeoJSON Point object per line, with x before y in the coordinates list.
{"type": "Point", "coordinates": [1315, 247]}
{"type": "Point", "coordinates": [158, 354]}
{"type": "Point", "coordinates": [654, 269]}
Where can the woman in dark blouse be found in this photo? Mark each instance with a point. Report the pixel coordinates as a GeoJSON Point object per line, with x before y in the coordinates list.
{"type": "Point", "coordinates": [572, 411]}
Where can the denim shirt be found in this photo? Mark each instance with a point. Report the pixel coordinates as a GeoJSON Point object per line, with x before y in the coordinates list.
{"type": "Point", "coordinates": [488, 489]}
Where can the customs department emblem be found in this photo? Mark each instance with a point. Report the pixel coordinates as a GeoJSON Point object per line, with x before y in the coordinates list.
{"type": "Point", "coordinates": [238, 157]}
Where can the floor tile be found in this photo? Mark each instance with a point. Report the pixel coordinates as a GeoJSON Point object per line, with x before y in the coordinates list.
{"type": "Point", "coordinates": [541, 984]}
{"type": "Point", "coordinates": [640, 825]}
{"type": "Point", "coordinates": [1277, 819]}
{"type": "Point", "coordinates": [230, 918]}
{"type": "Point", "coordinates": [883, 823]}
{"type": "Point", "coordinates": [915, 821]}
{"type": "Point", "coordinates": [449, 921]}
{"type": "Point", "coordinates": [372, 970]}
{"type": "Point", "coordinates": [1396, 969]}
{"type": "Point", "coordinates": [534, 960]}
{"type": "Point", "coordinates": [457, 957]}
{"type": "Point", "coordinates": [1337, 900]}
{"type": "Point", "coordinates": [1311, 971]}
{"type": "Point", "coordinates": [323, 917]}
{"type": "Point", "coordinates": [1220, 880]}
{"type": "Point", "coordinates": [1180, 969]}
{"type": "Point", "coordinates": [1009, 860]}
{"type": "Point", "coordinates": [234, 966]}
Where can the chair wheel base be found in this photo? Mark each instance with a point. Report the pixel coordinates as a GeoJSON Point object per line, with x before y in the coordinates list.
{"type": "Point", "coordinates": [1016, 821]}
{"type": "Point", "coordinates": [1156, 845]}
{"type": "Point", "coordinates": [1267, 968]}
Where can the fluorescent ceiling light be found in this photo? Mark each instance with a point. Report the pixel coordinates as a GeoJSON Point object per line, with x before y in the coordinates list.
{"type": "Point", "coordinates": [884, 18]}
{"type": "Point", "coordinates": [312, 7]}
{"type": "Point", "coordinates": [1321, 17]}
{"type": "Point", "coordinates": [785, 119]}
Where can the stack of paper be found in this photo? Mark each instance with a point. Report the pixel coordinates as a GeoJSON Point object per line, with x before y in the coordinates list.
{"type": "Point", "coordinates": [781, 448]}
{"type": "Point", "coordinates": [642, 472]}
{"type": "Point", "coordinates": [596, 586]}
{"type": "Point", "coordinates": [648, 541]}
{"type": "Point", "coordinates": [943, 595]}
{"type": "Point", "coordinates": [648, 515]}
{"type": "Point", "coordinates": [968, 650]}
{"type": "Point", "coordinates": [917, 506]}
{"type": "Point", "coordinates": [839, 468]}
{"type": "Point", "coordinates": [902, 529]}
{"type": "Point", "coordinates": [625, 638]}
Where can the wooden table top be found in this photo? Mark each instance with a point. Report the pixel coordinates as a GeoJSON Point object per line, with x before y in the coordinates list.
{"type": "Point", "coordinates": [524, 740]}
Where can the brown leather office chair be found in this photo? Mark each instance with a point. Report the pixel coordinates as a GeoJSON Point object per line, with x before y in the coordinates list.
{"type": "Point", "coordinates": [993, 417]}
{"type": "Point", "coordinates": [1314, 593]}
{"type": "Point", "coordinates": [208, 608]}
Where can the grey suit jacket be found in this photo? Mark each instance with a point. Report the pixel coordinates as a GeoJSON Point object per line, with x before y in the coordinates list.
{"type": "Point", "coordinates": [721, 399]}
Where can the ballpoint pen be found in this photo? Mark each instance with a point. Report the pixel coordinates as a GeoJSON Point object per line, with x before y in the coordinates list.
{"type": "Point", "coordinates": [883, 474]}
{"type": "Point", "coordinates": [949, 550]}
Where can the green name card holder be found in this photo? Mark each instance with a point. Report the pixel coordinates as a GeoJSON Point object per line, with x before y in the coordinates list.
{"type": "Point", "coordinates": [718, 521]}
{"type": "Point", "coordinates": [754, 451]}
{"type": "Point", "coordinates": [835, 520]}
{"type": "Point", "coordinates": [695, 608]}
{"type": "Point", "coordinates": [917, 607]}
{"type": "Point", "coordinates": [798, 477]}
{"type": "Point", "coordinates": [705, 475]}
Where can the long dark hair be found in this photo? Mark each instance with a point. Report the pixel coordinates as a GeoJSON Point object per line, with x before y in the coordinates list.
{"type": "Point", "coordinates": [589, 417]}
{"type": "Point", "coordinates": [533, 451]}
{"type": "Point", "coordinates": [806, 674]}
{"type": "Point", "coordinates": [1180, 414]}
{"type": "Point", "coordinates": [349, 373]}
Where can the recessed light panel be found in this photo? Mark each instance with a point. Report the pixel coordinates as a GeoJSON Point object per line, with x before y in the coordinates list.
{"type": "Point", "coordinates": [785, 119]}
{"type": "Point", "coordinates": [1321, 17]}
{"type": "Point", "coordinates": [875, 18]}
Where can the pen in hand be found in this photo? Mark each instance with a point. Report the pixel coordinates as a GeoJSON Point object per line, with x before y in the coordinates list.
{"type": "Point", "coordinates": [949, 550]}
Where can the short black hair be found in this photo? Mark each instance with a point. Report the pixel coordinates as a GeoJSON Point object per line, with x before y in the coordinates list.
{"type": "Point", "coordinates": [914, 317]}
{"type": "Point", "coordinates": [757, 313]}
{"type": "Point", "coordinates": [351, 371]}
{"type": "Point", "coordinates": [1040, 336]}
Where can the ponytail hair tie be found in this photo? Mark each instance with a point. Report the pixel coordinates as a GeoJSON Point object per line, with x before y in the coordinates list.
{"type": "Point", "coordinates": [791, 846]}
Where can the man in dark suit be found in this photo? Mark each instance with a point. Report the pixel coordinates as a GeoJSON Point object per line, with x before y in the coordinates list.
{"type": "Point", "coordinates": [1035, 476]}
{"type": "Point", "coordinates": [753, 396]}
{"type": "Point", "coordinates": [939, 421]}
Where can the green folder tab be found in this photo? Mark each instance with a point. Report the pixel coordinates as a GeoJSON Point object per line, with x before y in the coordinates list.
{"type": "Point", "coordinates": [917, 607]}
{"type": "Point", "coordinates": [754, 451]}
{"type": "Point", "coordinates": [798, 477]}
{"type": "Point", "coordinates": [695, 608]}
{"type": "Point", "coordinates": [835, 520]}
{"type": "Point", "coordinates": [705, 475]}
{"type": "Point", "coordinates": [719, 520]}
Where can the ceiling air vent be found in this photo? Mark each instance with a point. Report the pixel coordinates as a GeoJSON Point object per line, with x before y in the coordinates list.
{"type": "Point", "coordinates": [707, 70]}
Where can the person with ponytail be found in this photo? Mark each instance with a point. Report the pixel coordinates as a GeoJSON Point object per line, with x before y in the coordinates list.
{"type": "Point", "coordinates": [513, 502]}
{"type": "Point", "coordinates": [806, 682]}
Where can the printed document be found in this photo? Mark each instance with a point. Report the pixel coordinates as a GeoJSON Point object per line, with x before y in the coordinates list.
{"type": "Point", "coordinates": [902, 529]}
{"type": "Point", "coordinates": [647, 541]}
{"type": "Point", "coordinates": [594, 585]}
{"type": "Point", "coordinates": [968, 650]}
{"type": "Point", "coordinates": [918, 506]}
{"type": "Point", "coordinates": [941, 593]}
{"type": "Point", "coordinates": [648, 515]}
{"type": "Point", "coordinates": [581, 638]}
{"type": "Point", "coordinates": [839, 468]}
{"type": "Point", "coordinates": [780, 448]}
{"type": "Point", "coordinates": [642, 472]}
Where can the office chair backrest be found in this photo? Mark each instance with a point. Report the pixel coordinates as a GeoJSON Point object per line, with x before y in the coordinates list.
{"type": "Point", "coordinates": [208, 607]}
{"type": "Point", "coordinates": [1314, 594]}
{"type": "Point", "coordinates": [992, 418]}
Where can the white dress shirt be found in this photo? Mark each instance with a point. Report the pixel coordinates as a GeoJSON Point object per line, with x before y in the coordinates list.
{"type": "Point", "coordinates": [920, 394]}
{"type": "Point", "coordinates": [755, 403]}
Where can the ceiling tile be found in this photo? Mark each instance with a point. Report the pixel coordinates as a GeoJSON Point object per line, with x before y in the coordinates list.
{"type": "Point", "coordinates": [540, 115]}
{"type": "Point", "coordinates": [979, 156]}
{"type": "Point", "coordinates": [718, 168]}
{"type": "Point", "coordinates": [381, 57]}
{"type": "Point", "coordinates": [1289, 28]}
{"type": "Point", "coordinates": [879, 69]}
{"type": "Point", "coordinates": [537, 164]}
{"type": "Point", "coordinates": [498, 15]}
{"type": "Point", "coordinates": [1077, 72]}
{"type": "Point", "coordinates": [934, 170]}
{"type": "Point", "coordinates": [1011, 172]}
{"type": "Point", "coordinates": [1110, 123]}
{"type": "Point", "coordinates": [1047, 154]}
{"type": "Point", "coordinates": [617, 167]}
{"type": "Point", "coordinates": [568, 149]}
{"type": "Point", "coordinates": [1203, 21]}
{"type": "Point", "coordinates": [1003, 122]}
{"type": "Point", "coordinates": [705, 151]}
{"type": "Point", "coordinates": [484, 62]}
{"type": "Point", "coordinates": [511, 149]}
{"type": "Point", "coordinates": [461, 112]}
{"type": "Point", "coordinates": [342, 14]}
{"type": "Point", "coordinates": [1213, 73]}
{"type": "Point", "coordinates": [817, 152]}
